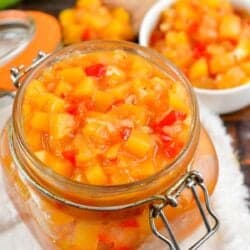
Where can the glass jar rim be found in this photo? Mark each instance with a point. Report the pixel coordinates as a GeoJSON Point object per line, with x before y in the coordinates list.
{"type": "Point", "coordinates": [94, 46]}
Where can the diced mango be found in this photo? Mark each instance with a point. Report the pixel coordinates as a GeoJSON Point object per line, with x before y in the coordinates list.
{"type": "Point", "coordinates": [61, 125]}
{"type": "Point", "coordinates": [117, 172]}
{"type": "Point", "coordinates": [84, 154]}
{"type": "Point", "coordinates": [53, 103]}
{"type": "Point", "coordinates": [139, 69]}
{"type": "Point", "coordinates": [72, 75]}
{"type": "Point", "coordinates": [34, 139]}
{"type": "Point", "coordinates": [199, 69]}
{"type": "Point", "coordinates": [72, 33]}
{"type": "Point", "coordinates": [86, 87]}
{"type": "Point", "coordinates": [139, 143]}
{"type": "Point", "coordinates": [220, 63]}
{"type": "Point", "coordinates": [85, 235]}
{"type": "Point", "coordinates": [116, 29]}
{"type": "Point", "coordinates": [212, 3]}
{"type": "Point", "coordinates": [112, 152]}
{"type": "Point", "coordinates": [57, 216]}
{"type": "Point", "coordinates": [61, 167]}
{"type": "Point", "coordinates": [137, 114]}
{"type": "Point", "coordinates": [95, 175]}
{"type": "Point", "coordinates": [233, 77]}
{"type": "Point", "coordinates": [34, 88]}
{"type": "Point", "coordinates": [230, 27]}
{"type": "Point", "coordinates": [207, 83]}
{"type": "Point", "coordinates": [66, 17]}
{"type": "Point", "coordinates": [98, 129]}
{"type": "Point", "coordinates": [42, 155]}
{"type": "Point", "coordinates": [103, 100]}
{"type": "Point", "coordinates": [88, 4]}
{"type": "Point", "coordinates": [27, 110]}
{"type": "Point", "coordinates": [176, 96]}
{"type": "Point", "coordinates": [91, 129]}
{"type": "Point", "coordinates": [246, 67]}
{"type": "Point", "coordinates": [119, 92]}
{"type": "Point", "coordinates": [242, 51]}
{"type": "Point", "coordinates": [48, 102]}
{"type": "Point", "coordinates": [215, 49]}
{"type": "Point", "coordinates": [63, 88]}
{"type": "Point", "coordinates": [40, 121]}
{"type": "Point", "coordinates": [173, 38]}
{"type": "Point", "coordinates": [48, 76]}
{"type": "Point", "coordinates": [121, 15]}
{"type": "Point", "coordinates": [142, 90]}
{"type": "Point", "coordinates": [145, 169]}
{"type": "Point", "coordinates": [185, 12]}
{"type": "Point", "coordinates": [55, 163]}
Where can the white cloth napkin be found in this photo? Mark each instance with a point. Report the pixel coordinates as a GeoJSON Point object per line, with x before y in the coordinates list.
{"type": "Point", "coordinates": [229, 199]}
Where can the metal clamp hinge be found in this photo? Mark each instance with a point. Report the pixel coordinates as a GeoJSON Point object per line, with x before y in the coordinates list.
{"type": "Point", "coordinates": [192, 180]}
{"type": "Point", "coordinates": [17, 73]}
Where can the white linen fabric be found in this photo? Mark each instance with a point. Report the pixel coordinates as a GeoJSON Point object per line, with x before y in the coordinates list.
{"type": "Point", "coordinates": [229, 199]}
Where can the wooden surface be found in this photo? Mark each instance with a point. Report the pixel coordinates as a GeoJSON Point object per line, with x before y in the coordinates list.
{"type": "Point", "coordinates": [238, 124]}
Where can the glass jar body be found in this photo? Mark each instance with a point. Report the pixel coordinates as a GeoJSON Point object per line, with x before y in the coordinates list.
{"type": "Point", "coordinates": [60, 226]}
{"type": "Point", "coordinates": [72, 216]}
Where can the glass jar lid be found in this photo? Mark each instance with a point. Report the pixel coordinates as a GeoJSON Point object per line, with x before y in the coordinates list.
{"type": "Point", "coordinates": [16, 32]}
{"type": "Point", "coordinates": [22, 35]}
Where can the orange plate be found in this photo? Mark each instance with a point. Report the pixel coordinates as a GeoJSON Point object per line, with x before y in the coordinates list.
{"type": "Point", "coordinates": [47, 37]}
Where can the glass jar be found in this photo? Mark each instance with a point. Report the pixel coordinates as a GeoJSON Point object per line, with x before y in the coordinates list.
{"type": "Point", "coordinates": [64, 214]}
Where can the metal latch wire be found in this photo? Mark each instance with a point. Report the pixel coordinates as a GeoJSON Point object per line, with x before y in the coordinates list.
{"type": "Point", "coordinates": [191, 180]}
{"type": "Point", "coordinates": [16, 73]}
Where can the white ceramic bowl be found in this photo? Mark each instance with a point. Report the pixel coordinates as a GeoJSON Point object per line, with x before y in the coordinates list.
{"type": "Point", "coordinates": [220, 101]}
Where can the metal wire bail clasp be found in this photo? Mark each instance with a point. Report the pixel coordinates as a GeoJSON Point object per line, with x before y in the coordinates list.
{"type": "Point", "coordinates": [192, 180]}
{"type": "Point", "coordinates": [17, 73]}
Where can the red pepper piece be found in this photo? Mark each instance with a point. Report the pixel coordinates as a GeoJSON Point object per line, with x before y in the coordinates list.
{"type": "Point", "coordinates": [80, 106]}
{"type": "Point", "coordinates": [86, 35]}
{"type": "Point", "coordinates": [172, 117]}
{"type": "Point", "coordinates": [76, 108]}
{"type": "Point", "coordinates": [72, 109]}
{"type": "Point", "coordinates": [105, 238]}
{"type": "Point", "coordinates": [172, 149]}
{"type": "Point", "coordinates": [199, 50]}
{"type": "Point", "coordinates": [193, 28]}
{"type": "Point", "coordinates": [70, 156]}
{"type": "Point", "coordinates": [125, 133]}
{"type": "Point", "coordinates": [156, 128]}
{"type": "Point", "coordinates": [131, 223]}
{"type": "Point", "coordinates": [156, 36]}
{"type": "Point", "coordinates": [96, 70]}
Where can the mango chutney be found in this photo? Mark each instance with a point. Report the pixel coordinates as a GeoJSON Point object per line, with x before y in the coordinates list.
{"type": "Point", "coordinates": [95, 128]}
{"type": "Point", "coordinates": [105, 118]}
{"type": "Point", "coordinates": [92, 20]}
{"type": "Point", "coordinates": [208, 40]}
